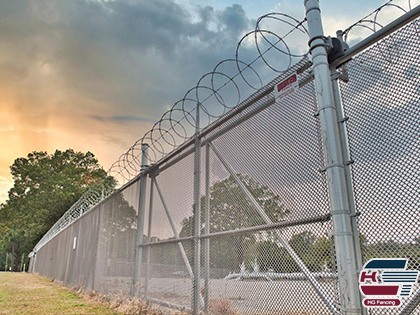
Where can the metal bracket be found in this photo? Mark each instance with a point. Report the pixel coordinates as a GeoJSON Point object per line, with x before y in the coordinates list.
{"type": "Point", "coordinates": [311, 72]}
{"type": "Point", "coordinates": [342, 120]}
{"type": "Point", "coordinates": [325, 168]}
{"type": "Point", "coordinates": [343, 75]}
{"type": "Point", "coordinates": [349, 162]}
{"type": "Point", "coordinates": [338, 48]}
{"type": "Point", "coordinates": [326, 43]}
{"type": "Point", "coordinates": [154, 170]}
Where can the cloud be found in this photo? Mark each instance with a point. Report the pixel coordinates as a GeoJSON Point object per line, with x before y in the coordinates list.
{"type": "Point", "coordinates": [121, 119]}
{"type": "Point", "coordinates": [78, 74]}
{"type": "Point", "coordinates": [140, 55]}
{"type": "Point", "coordinates": [83, 73]}
{"type": "Point", "coordinates": [117, 51]}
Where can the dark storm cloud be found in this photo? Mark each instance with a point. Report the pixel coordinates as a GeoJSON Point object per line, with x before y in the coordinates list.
{"type": "Point", "coordinates": [234, 18]}
{"type": "Point", "coordinates": [119, 52]}
{"type": "Point", "coordinates": [145, 25]}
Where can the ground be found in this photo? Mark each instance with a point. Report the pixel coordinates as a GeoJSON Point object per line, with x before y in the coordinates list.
{"type": "Point", "coordinates": [22, 293]}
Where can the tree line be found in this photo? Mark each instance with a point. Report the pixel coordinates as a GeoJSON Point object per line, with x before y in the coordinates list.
{"type": "Point", "coordinates": [229, 210]}
{"type": "Point", "coordinates": [45, 187]}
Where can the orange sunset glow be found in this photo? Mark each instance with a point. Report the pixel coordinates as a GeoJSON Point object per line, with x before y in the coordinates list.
{"type": "Point", "coordinates": [94, 75]}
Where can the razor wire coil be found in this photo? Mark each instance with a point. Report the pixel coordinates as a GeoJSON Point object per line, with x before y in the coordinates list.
{"type": "Point", "coordinates": [178, 124]}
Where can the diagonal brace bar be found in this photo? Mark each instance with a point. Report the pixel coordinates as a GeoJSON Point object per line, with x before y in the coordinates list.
{"type": "Point", "coordinates": [281, 240]}
{"type": "Point", "coordinates": [176, 235]}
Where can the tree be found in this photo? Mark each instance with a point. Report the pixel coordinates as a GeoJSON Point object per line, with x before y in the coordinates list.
{"type": "Point", "coordinates": [393, 249]}
{"type": "Point", "coordinates": [117, 235]}
{"type": "Point", "coordinates": [317, 253]}
{"type": "Point", "coordinates": [271, 257]}
{"type": "Point", "coordinates": [230, 210]}
{"type": "Point", "coordinates": [45, 186]}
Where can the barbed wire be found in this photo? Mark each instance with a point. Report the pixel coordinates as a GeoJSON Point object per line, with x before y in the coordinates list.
{"type": "Point", "coordinates": [372, 20]}
{"type": "Point", "coordinates": [95, 194]}
{"type": "Point", "coordinates": [217, 91]}
{"type": "Point", "coordinates": [376, 20]}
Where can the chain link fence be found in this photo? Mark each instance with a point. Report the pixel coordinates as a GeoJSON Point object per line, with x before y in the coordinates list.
{"type": "Point", "coordinates": [237, 220]}
{"type": "Point", "coordinates": [381, 100]}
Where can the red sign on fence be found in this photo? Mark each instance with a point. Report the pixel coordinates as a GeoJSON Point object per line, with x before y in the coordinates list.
{"type": "Point", "coordinates": [284, 88]}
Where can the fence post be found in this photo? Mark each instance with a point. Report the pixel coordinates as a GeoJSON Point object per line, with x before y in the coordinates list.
{"type": "Point", "coordinates": [31, 267]}
{"type": "Point", "coordinates": [207, 231]}
{"type": "Point", "coordinates": [197, 214]}
{"type": "Point", "coordinates": [149, 237]}
{"type": "Point", "coordinates": [140, 220]}
{"type": "Point", "coordinates": [334, 165]}
{"type": "Point", "coordinates": [335, 76]}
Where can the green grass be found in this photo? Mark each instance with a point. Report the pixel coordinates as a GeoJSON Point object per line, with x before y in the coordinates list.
{"type": "Point", "coordinates": [29, 294]}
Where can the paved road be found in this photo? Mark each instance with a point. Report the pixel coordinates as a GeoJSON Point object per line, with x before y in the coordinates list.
{"type": "Point", "coordinates": [250, 297]}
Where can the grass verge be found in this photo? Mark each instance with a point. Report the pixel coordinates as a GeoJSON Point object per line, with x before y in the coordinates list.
{"type": "Point", "coordinates": [22, 293]}
{"type": "Point", "coordinates": [30, 294]}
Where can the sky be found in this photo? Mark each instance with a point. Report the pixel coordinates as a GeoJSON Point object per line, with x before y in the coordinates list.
{"type": "Point", "coordinates": [95, 75]}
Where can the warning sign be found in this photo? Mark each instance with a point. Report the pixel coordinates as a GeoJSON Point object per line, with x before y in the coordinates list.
{"type": "Point", "coordinates": [286, 87]}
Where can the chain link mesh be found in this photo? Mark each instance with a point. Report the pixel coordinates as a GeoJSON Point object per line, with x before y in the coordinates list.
{"type": "Point", "coordinates": [381, 100]}
{"type": "Point", "coordinates": [95, 252]}
{"type": "Point", "coordinates": [276, 154]}
{"type": "Point", "coordinates": [266, 236]}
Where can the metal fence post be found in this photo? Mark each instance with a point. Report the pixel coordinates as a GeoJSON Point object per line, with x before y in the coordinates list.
{"type": "Point", "coordinates": [197, 215]}
{"type": "Point", "coordinates": [33, 262]}
{"type": "Point", "coordinates": [149, 237]}
{"type": "Point", "coordinates": [335, 76]}
{"type": "Point", "coordinates": [346, 156]}
{"type": "Point", "coordinates": [207, 231]}
{"type": "Point", "coordinates": [334, 165]}
{"type": "Point", "coordinates": [140, 220]}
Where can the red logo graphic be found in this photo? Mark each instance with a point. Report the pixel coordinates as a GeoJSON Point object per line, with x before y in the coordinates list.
{"type": "Point", "coordinates": [385, 281]}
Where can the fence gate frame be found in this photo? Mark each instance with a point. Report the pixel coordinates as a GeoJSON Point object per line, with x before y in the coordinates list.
{"type": "Point", "coordinates": [337, 170]}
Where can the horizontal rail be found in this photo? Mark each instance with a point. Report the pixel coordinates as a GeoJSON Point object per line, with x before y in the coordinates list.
{"type": "Point", "coordinates": [377, 36]}
{"type": "Point", "coordinates": [168, 241]}
{"type": "Point", "coordinates": [172, 159]}
{"type": "Point", "coordinates": [273, 276]}
{"type": "Point", "coordinates": [276, 225]}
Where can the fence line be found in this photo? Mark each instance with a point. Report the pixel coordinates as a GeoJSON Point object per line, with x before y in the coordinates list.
{"type": "Point", "coordinates": [260, 189]}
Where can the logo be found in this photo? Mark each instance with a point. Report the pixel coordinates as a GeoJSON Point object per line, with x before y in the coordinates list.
{"type": "Point", "coordinates": [386, 281]}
